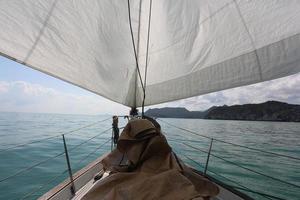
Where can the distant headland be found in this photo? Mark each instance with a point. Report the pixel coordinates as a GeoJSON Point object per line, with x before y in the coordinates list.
{"type": "Point", "coordinates": [267, 111]}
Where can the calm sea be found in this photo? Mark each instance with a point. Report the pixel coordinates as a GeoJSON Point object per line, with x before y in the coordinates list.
{"type": "Point", "coordinates": [29, 170]}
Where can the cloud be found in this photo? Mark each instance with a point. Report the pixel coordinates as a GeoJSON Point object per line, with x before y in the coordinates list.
{"type": "Point", "coordinates": [284, 89]}
{"type": "Point", "coordinates": [21, 96]}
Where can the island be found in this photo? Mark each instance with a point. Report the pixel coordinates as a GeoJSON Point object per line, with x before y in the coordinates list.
{"type": "Point", "coordinates": [267, 111]}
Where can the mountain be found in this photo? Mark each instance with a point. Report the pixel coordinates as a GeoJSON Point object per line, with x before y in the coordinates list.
{"type": "Point", "coordinates": [174, 113]}
{"type": "Point", "coordinates": [268, 111]}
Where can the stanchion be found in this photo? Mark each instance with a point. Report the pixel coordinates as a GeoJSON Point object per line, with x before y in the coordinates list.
{"type": "Point", "coordinates": [69, 167]}
{"type": "Point", "coordinates": [208, 155]}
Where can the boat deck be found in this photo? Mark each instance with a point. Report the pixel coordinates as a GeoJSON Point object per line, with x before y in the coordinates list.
{"type": "Point", "coordinates": [84, 181]}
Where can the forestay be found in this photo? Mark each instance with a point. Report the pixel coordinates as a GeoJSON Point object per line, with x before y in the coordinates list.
{"type": "Point", "coordinates": [195, 47]}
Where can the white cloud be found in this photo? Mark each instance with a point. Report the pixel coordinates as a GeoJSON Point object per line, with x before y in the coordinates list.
{"type": "Point", "coordinates": [284, 89]}
{"type": "Point", "coordinates": [20, 96]}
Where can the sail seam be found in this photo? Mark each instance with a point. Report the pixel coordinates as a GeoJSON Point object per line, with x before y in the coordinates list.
{"type": "Point", "coordinates": [60, 78]}
{"type": "Point", "coordinates": [41, 32]}
{"type": "Point", "coordinates": [191, 30]}
{"type": "Point", "coordinates": [251, 39]}
{"type": "Point", "coordinates": [190, 78]}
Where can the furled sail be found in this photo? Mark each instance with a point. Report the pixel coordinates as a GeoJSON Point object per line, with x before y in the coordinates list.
{"type": "Point", "coordinates": [192, 47]}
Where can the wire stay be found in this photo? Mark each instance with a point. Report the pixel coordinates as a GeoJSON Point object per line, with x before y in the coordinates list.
{"type": "Point", "coordinates": [51, 137]}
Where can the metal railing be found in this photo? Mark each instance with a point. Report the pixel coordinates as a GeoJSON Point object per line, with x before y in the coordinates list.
{"type": "Point", "coordinates": [187, 143]}
{"type": "Point", "coordinates": [65, 152]}
{"type": "Point", "coordinates": [208, 152]}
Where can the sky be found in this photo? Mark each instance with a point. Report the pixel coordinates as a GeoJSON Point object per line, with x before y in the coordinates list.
{"type": "Point", "coordinates": [23, 89]}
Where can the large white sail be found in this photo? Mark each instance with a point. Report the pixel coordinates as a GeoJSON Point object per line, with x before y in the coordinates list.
{"type": "Point", "coordinates": [195, 47]}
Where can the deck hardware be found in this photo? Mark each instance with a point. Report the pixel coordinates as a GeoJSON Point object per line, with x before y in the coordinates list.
{"type": "Point", "coordinates": [112, 139]}
{"type": "Point", "coordinates": [208, 155]}
{"type": "Point", "coordinates": [72, 188]}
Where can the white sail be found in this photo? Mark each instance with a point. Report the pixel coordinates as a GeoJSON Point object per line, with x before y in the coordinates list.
{"type": "Point", "coordinates": [195, 47]}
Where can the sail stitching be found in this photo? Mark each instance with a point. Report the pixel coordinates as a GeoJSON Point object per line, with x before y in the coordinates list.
{"type": "Point", "coordinates": [41, 32]}
{"type": "Point", "coordinates": [244, 54]}
{"type": "Point", "coordinates": [250, 37]}
{"type": "Point", "coordinates": [191, 30]}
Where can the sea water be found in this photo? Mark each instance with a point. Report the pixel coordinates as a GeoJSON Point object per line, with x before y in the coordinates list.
{"type": "Point", "coordinates": [29, 170]}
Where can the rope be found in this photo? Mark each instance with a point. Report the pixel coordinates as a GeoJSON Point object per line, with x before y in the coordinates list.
{"type": "Point", "coordinates": [91, 153]}
{"type": "Point", "coordinates": [51, 137]}
{"type": "Point", "coordinates": [248, 169]}
{"type": "Point", "coordinates": [202, 143]}
{"type": "Point", "coordinates": [233, 181]}
{"type": "Point", "coordinates": [43, 186]}
{"type": "Point", "coordinates": [191, 159]}
{"type": "Point", "coordinates": [234, 144]}
{"type": "Point", "coordinates": [268, 196]}
{"type": "Point", "coordinates": [147, 52]}
{"type": "Point", "coordinates": [217, 173]}
{"type": "Point", "coordinates": [31, 167]}
{"type": "Point", "coordinates": [78, 145]}
{"type": "Point", "coordinates": [134, 50]}
{"type": "Point", "coordinates": [260, 150]}
{"type": "Point", "coordinates": [54, 178]}
{"type": "Point", "coordinates": [27, 143]}
{"type": "Point", "coordinates": [184, 129]}
{"type": "Point", "coordinates": [46, 160]}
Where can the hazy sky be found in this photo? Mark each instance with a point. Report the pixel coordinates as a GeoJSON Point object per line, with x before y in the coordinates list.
{"type": "Point", "coordinates": [25, 90]}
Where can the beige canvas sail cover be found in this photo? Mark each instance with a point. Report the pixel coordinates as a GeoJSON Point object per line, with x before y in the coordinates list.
{"type": "Point", "coordinates": [195, 47]}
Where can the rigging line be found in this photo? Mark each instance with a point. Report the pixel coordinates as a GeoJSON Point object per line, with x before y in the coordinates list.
{"type": "Point", "coordinates": [51, 137]}
{"type": "Point", "coordinates": [246, 168]}
{"type": "Point", "coordinates": [147, 54]}
{"type": "Point", "coordinates": [259, 193]}
{"type": "Point", "coordinates": [133, 44]}
{"type": "Point", "coordinates": [190, 31]}
{"type": "Point", "coordinates": [239, 184]}
{"type": "Point", "coordinates": [263, 151]}
{"type": "Point", "coordinates": [201, 143]}
{"type": "Point", "coordinates": [191, 160]}
{"type": "Point", "coordinates": [27, 143]}
{"type": "Point", "coordinates": [43, 186]}
{"type": "Point", "coordinates": [233, 181]}
{"type": "Point", "coordinates": [31, 167]}
{"type": "Point", "coordinates": [264, 195]}
{"type": "Point", "coordinates": [234, 144]}
{"type": "Point", "coordinates": [138, 51]}
{"type": "Point", "coordinates": [91, 153]}
{"type": "Point", "coordinates": [89, 125]}
{"type": "Point", "coordinates": [78, 145]}
{"type": "Point", "coordinates": [46, 160]}
{"type": "Point", "coordinates": [184, 129]}
{"type": "Point", "coordinates": [54, 178]}
{"type": "Point", "coordinates": [180, 142]}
